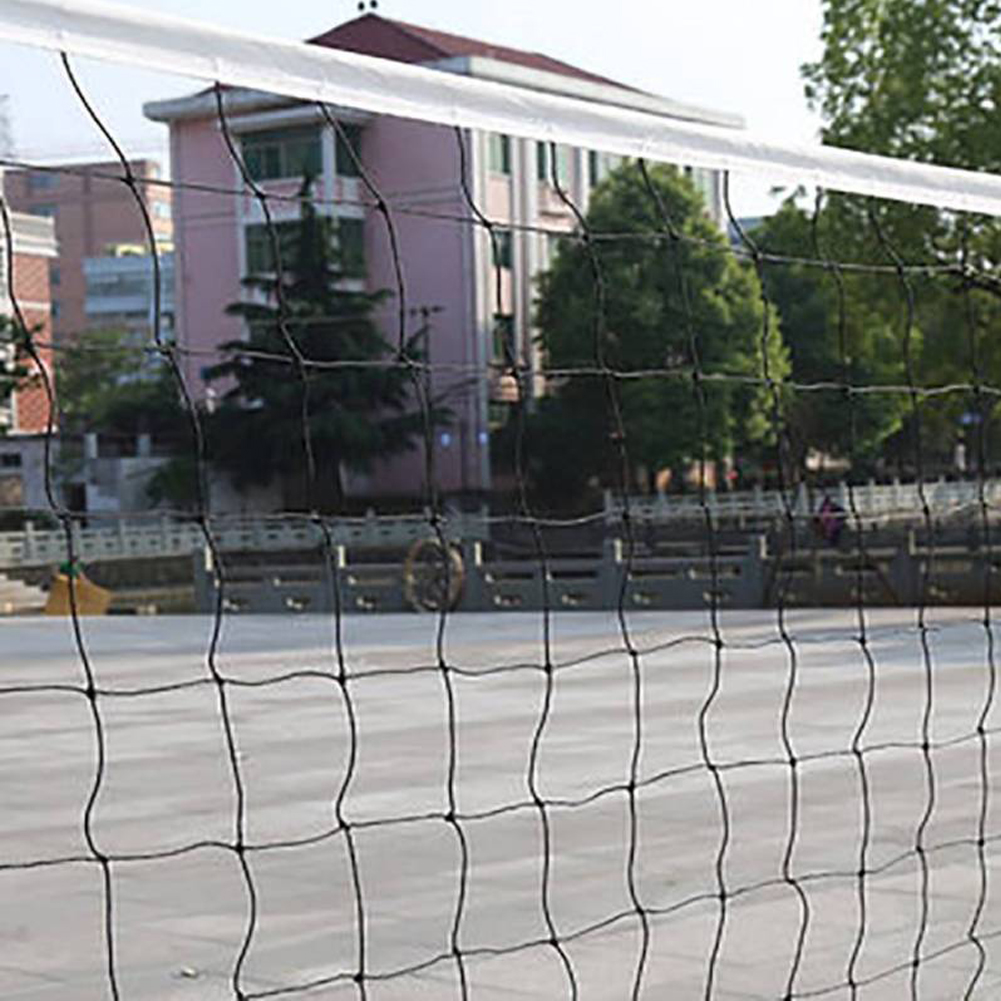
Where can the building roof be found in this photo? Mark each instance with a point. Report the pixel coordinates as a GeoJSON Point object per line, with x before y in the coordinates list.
{"type": "Point", "coordinates": [373, 35]}
{"type": "Point", "coordinates": [383, 38]}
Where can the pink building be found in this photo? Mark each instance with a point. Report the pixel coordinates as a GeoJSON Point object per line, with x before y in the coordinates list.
{"type": "Point", "coordinates": [449, 267]}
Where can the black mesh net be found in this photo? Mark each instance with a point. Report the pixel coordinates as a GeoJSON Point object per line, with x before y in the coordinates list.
{"type": "Point", "coordinates": [701, 804]}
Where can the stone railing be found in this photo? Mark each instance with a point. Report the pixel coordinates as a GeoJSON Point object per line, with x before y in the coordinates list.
{"type": "Point", "coordinates": [874, 502]}
{"type": "Point", "coordinates": [171, 537]}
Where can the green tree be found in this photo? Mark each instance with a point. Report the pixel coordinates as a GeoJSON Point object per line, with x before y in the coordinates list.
{"type": "Point", "coordinates": [106, 383]}
{"type": "Point", "coordinates": [921, 81]}
{"type": "Point", "coordinates": [648, 324]}
{"type": "Point", "coordinates": [13, 370]}
{"type": "Point", "coordinates": [357, 414]}
{"type": "Point", "coordinates": [855, 344]}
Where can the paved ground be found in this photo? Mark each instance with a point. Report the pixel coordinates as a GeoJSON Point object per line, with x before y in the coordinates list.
{"type": "Point", "coordinates": [179, 922]}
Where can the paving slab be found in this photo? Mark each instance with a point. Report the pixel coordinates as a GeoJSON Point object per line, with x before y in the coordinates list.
{"type": "Point", "coordinates": [536, 766]}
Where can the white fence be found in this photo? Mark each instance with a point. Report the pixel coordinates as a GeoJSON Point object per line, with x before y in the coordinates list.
{"type": "Point", "coordinates": [168, 537]}
{"type": "Point", "coordinates": [880, 503]}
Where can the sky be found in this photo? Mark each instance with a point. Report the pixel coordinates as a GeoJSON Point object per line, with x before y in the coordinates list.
{"type": "Point", "coordinates": [735, 55]}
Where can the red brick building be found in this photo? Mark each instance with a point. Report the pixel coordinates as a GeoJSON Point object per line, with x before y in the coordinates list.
{"type": "Point", "coordinates": [24, 416]}
{"type": "Point", "coordinates": [34, 252]}
{"type": "Point", "coordinates": [93, 213]}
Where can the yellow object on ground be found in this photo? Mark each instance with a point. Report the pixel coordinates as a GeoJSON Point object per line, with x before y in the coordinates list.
{"type": "Point", "coordinates": [89, 598]}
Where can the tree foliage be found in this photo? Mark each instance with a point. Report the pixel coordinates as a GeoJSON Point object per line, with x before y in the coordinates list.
{"type": "Point", "coordinates": [107, 384]}
{"type": "Point", "coordinates": [647, 323]}
{"type": "Point", "coordinates": [356, 414]}
{"type": "Point", "coordinates": [840, 331]}
{"type": "Point", "coordinates": [920, 81]}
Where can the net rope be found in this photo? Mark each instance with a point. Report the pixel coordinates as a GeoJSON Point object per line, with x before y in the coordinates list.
{"type": "Point", "coordinates": [642, 915]}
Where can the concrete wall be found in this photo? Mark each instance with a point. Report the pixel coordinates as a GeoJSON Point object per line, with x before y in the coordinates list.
{"type": "Point", "coordinates": [416, 167]}
{"type": "Point", "coordinates": [22, 472]}
{"type": "Point", "coordinates": [207, 265]}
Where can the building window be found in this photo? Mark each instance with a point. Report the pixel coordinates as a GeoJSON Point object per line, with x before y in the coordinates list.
{"type": "Point", "coordinates": [502, 245]}
{"type": "Point", "coordinates": [351, 244]}
{"type": "Point", "coordinates": [544, 165]}
{"type": "Point", "coordinates": [10, 460]}
{"type": "Point", "coordinates": [346, 165]}
{"type": "Point", "coordinates": [259, 249]}
{"type": "Point", "coordinates": [499, 153]}
{"type": "Point", "coordinates": [594, 168]}
{"type": "Point", "coordinates": [289, 153]}
{"type": "Point", "coordinates": [55, 275]}
{"type": "Point", "coordinates": [600, 165]}
{"type": "Point", "coordinates": [161, 209]}
{"type": "Point", "coordinates": [503, 336]}
{"type": "Point", "coordinates": [42, 182]}
{"type": "Point", "coordinates": [45, 209]}
{"type": "Point", "coordinates": [56, 309]}
{"type": "Point", "coordinates": [705, 184]}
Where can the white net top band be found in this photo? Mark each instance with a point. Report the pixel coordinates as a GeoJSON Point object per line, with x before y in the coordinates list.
{"type": "Point", "coordinates": [313, 73]}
